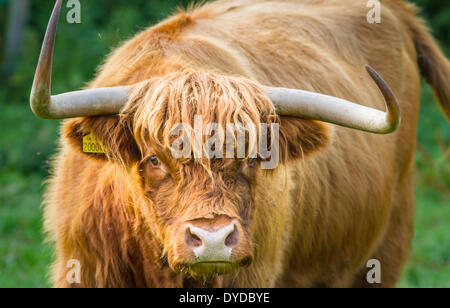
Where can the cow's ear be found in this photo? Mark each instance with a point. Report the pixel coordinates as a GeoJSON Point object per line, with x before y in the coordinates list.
{"type": "Point", "coordinates": [300, 138]}
{"type": "Point", "coordinates": [103, 137]}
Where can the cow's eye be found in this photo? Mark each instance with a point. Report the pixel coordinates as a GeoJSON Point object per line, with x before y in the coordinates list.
{"type": "Point", "coordinates": [252, 162]}
{"type": "Point", "coordinates": [154, 160]}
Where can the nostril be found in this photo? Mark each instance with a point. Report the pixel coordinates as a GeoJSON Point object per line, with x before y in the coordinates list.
{"type": "Point", "coordinates": [191, 239]}
{"type": "Point", "coordinates": [233, 238]}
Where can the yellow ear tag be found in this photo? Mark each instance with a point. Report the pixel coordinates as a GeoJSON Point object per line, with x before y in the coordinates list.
{"type": "Point", "coordinates": [92, 145]}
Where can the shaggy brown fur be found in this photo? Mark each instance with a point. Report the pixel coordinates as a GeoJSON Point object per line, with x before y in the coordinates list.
{"type": "Point", "coordinates": [316, 219]}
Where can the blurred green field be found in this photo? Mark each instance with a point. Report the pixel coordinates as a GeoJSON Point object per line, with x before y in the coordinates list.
{"type": "Point", "coordinates": [27, 143]}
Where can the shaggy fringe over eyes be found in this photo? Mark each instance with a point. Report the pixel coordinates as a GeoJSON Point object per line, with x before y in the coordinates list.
{"type": "Point", "coordinates": [160, 104]}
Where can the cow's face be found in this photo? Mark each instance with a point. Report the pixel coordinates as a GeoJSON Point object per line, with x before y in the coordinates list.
{"type": "Point", "coordinates": [203, 216]}
{"type": "Point", "coordinates": [201, 211]}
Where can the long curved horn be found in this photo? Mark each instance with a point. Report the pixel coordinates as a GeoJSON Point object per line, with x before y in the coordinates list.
{"type": "Point", "coordinates": [289, 102]}
{"type": "Point", "coordinates": [92, 102]}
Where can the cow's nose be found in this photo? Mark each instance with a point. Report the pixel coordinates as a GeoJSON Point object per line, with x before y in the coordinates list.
{"type": "Point", "coordinates": [214, 245]}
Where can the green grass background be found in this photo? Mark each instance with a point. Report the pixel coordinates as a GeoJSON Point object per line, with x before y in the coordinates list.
{"type": "Point", "coordinates": [27, 143]}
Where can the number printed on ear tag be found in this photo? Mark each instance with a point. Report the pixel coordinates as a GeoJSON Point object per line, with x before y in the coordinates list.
{"type": "Point", "coordinates": [92, 145]}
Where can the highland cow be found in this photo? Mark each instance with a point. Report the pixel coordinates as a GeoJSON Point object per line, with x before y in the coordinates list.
{"type": "Point", "coordinates": [342, 194]}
